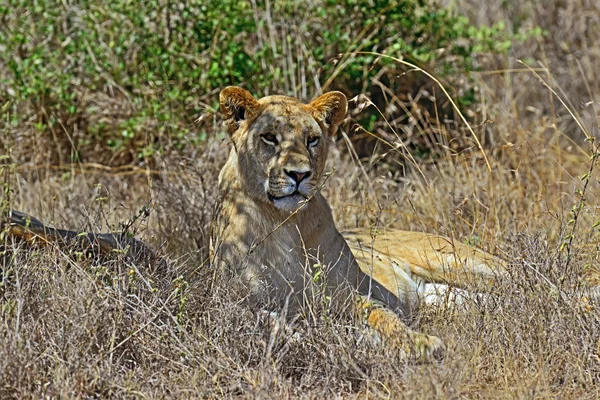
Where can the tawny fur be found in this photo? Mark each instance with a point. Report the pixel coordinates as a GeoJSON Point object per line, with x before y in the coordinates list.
{"type": "Point", "coordinates": [273, 232]}
{"type": "Point", "coordinates": [272, 250]}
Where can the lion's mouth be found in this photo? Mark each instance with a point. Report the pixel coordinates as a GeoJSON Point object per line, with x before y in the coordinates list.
{"type": "Point", "coordinates": [296, 193]}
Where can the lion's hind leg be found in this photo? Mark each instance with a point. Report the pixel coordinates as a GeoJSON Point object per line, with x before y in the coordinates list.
{"type": "Point", "coordinates": [431, 258]}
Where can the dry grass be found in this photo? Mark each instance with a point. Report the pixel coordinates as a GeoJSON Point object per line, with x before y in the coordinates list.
{"type": "Point", "coordinates": [72, 327]}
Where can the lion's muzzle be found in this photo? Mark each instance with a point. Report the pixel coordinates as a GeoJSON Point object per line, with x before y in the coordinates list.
{"type": "Point", "coordinates": [298, 176]}
{"type": "Point", "coordinates": [288, 188]}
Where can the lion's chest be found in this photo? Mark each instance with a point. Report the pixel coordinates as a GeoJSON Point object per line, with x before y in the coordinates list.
{"type": "Point", "coordinates": [278, 260]}
{"type": "Point", "coordinates": [281, 265]}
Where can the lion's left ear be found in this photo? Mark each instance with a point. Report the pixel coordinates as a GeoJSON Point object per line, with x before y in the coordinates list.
{"type": "Point", "coordinates": [237, 105]}
{"type": "Point", "coordinates": [330, 108]}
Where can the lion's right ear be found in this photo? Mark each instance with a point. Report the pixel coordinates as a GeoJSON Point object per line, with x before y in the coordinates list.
{"type": "Point", "coordinates": [330, 108]}
{"type": "Point", "coordinates": [236, 105]}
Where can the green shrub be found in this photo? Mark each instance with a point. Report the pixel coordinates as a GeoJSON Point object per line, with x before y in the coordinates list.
{"type": "Point", "coordinates": [131, 77]}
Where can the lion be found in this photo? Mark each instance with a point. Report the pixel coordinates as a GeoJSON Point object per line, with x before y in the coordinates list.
{"type": "Point", "coordinates": [274, 239]}
{"type": "Point", "coordinates": [273, 230]}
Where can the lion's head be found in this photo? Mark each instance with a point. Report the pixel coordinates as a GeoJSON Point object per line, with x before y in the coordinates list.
{"type": "Point", "coordinates": [281, 143]}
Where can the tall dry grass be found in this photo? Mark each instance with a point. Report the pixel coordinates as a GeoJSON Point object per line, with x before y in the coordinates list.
{"type": "Point", "coordinates": [74, 327]}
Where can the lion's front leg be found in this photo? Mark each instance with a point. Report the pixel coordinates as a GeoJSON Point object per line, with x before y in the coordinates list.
{"type": "Point", "coordinates": [396, 333]}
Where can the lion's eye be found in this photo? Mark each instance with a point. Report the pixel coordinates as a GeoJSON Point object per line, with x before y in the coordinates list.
{"type": "Point", "coordinates": [269, 139]}
{"type": "Point", "coordinates": [312, 141]}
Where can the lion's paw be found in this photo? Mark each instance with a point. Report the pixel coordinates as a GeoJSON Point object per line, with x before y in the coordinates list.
{"type": "Point", "coordinates": [427, 347]}
{"type": "Point", "coordinates": [394, 331]}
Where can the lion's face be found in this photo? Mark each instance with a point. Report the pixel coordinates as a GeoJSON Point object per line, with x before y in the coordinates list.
{"type": "Point", "coordinates": [281, 144]}
{"type": "Point", "coordinates": [283, 151]}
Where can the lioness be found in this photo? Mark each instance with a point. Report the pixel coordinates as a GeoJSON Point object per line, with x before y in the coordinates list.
{"type": "Point", "coordinates": [273, 230]}
{"type": "Point", "coordinates": [273, 233]}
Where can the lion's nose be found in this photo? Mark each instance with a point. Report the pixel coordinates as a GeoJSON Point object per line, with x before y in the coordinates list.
{"type": "Point", "coordinates": [298, 176]}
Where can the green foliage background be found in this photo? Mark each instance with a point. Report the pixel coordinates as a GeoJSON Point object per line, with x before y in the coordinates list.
{"type": "Point", "coordinates": [115, 82]}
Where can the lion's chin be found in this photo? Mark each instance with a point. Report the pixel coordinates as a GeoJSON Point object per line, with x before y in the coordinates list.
{"type": "Point", "coordinates": [290, 203]}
